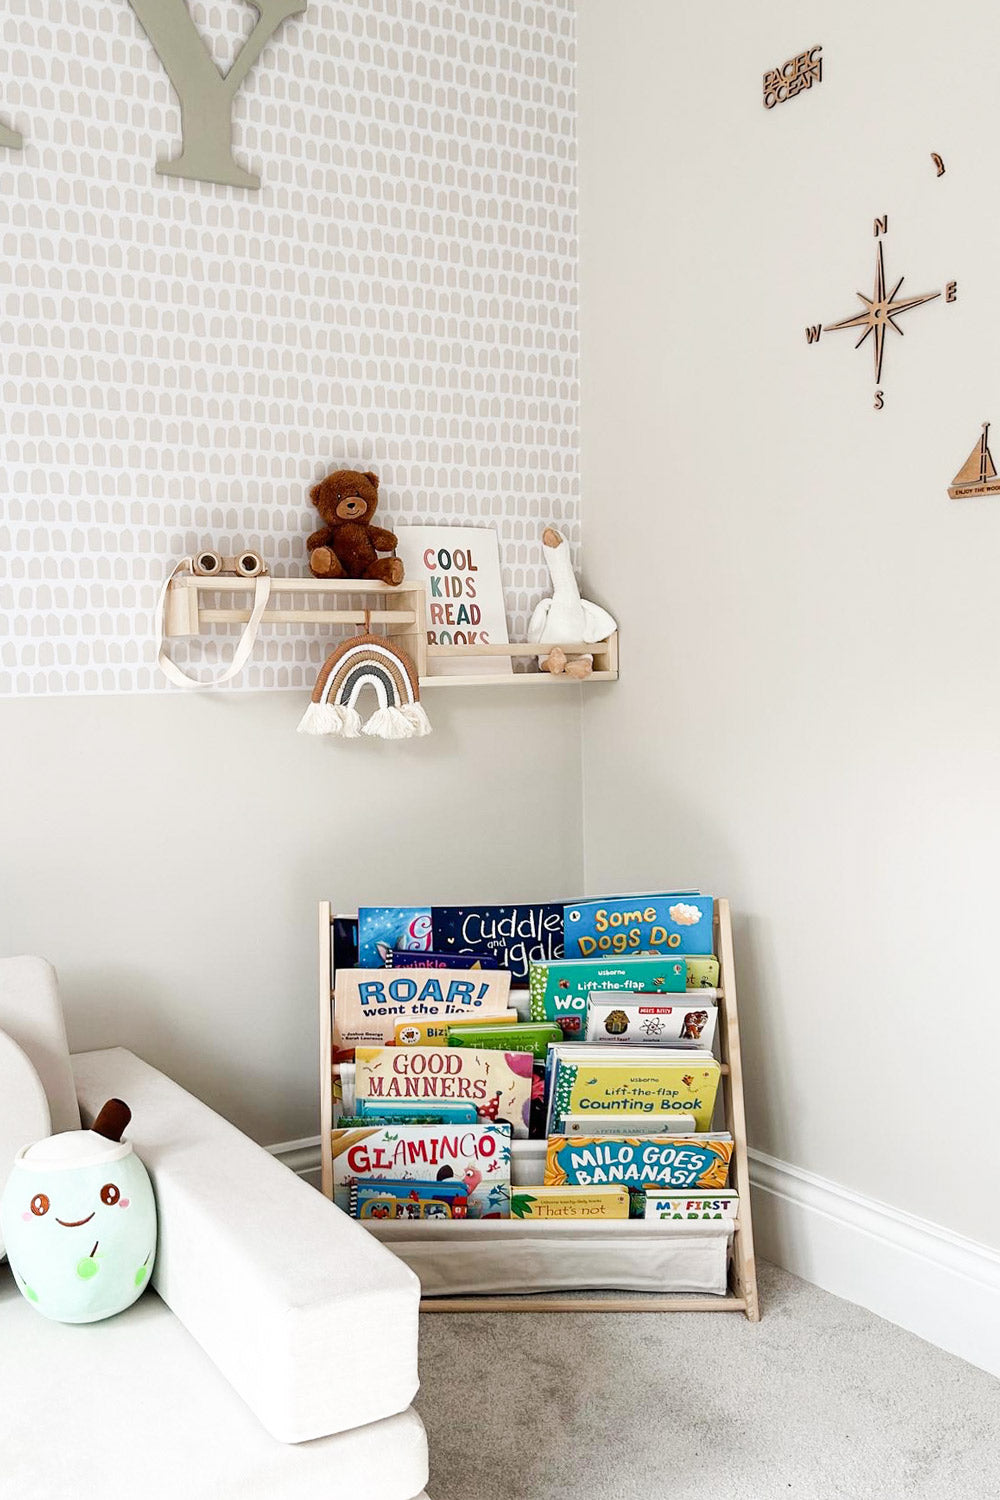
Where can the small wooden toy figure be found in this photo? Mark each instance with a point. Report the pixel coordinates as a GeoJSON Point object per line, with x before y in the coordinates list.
{"type": "Point", "coordinates": [79, 1221]}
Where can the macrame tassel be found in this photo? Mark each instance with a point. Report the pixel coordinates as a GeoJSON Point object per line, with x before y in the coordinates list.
{"type": "Point", "coordinates": [390, 724]}
{"type": "Point", "coordinates": [331, 718]}
{"type": "Point", "coordinates": [414, 712]}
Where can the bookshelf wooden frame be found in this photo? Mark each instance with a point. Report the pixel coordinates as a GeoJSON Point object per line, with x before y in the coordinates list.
{"type": "Point", "coordinates": [399, 612]}
{"type": "Point", "coordinates": [742, 1292]}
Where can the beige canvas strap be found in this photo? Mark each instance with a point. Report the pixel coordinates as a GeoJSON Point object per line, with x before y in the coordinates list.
{"type": "Point", "coordinates": [244, 646]}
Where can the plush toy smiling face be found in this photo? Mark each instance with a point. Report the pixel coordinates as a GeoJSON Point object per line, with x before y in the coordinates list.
{"type": "Point", "coordinates": [79, 1226]}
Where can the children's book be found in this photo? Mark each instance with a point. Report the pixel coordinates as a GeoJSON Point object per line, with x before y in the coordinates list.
{"type": "Point", "coordinates": [476, 1155]}
{"type": "Point", "coordinates": [569, 1203]}
{"type": "Point", "coordinates": [702, 971]}
{"type": "Point", "coordinates": [693, 1161]}
{"type": "Point", "coordinates": [386, 1112]}
{"type": "Point", "coordinates": [722, 1204]}
{"type": "Point", "coordinates": [460, 567]}
{"type": "Point", "coordinates": [679, 1123]}
{"type": "Point", "coordinates": [559, 989]}
{"type": "Point", "coordinates": [629, 1080]}
{"type": "Point", "coordinates": [529, 1036]}
{"type": "Point", "coordinates": [496, 1084]}
{"type": "Point", "coordinates": [644, 1020]}
{"type": "Point", "coordinates": [513, 936]}
{"type": "Point", "coordinates": [369, 1003]}
{"type": "Point", "coordinates": [411, 959]}
{"type": "Point", "coordinates": [409, 1200]}
{"type": "Point", "coordinates": [435, 1033]}
{"type": "Point", "coordinates": [369, 1122]}
{"type": "Point", "coordinates": [672, 923]}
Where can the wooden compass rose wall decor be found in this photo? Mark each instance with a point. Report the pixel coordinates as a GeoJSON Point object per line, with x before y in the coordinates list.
{"type": "Point", "coordinates": [880, 311]}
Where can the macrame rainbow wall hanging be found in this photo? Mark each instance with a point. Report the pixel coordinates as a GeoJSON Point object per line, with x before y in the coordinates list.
{"type": "Point", "coordinates": [366, 661]}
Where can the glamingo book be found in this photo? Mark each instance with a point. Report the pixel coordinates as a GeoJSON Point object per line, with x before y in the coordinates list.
{"type": "Point", "coordinates": [476, 1155]}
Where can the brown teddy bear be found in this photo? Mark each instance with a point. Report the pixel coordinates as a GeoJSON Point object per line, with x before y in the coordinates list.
{"type": "Point", "coordinates": [348, 545]}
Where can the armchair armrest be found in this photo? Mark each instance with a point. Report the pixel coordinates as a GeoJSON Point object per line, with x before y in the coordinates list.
{"type": "Point", "coordinates": [308, 1317]}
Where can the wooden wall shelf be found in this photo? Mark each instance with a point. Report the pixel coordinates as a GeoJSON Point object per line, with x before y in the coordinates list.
{"type": "Point", "coordinates": [400, 612]}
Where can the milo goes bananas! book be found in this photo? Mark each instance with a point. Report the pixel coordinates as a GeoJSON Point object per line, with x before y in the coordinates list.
{"type": "Point", "coordinates": [629, 1080]}
{"type": "Point", "coordinates": [692, 1162]}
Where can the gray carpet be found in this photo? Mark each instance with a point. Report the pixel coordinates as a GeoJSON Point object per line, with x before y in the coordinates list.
{"type": "Point", "coordinates": [817, 1401]}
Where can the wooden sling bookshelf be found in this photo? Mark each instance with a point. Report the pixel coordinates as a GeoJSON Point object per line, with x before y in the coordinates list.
{"type": "Point", "coordinates": [741, 1294]}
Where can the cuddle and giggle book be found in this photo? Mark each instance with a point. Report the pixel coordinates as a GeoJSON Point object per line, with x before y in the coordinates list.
{"type": "Point", "coordinates": [369, 1003]}
{"type": "Point", "coordinates": [496, 1084]}
{"type": "Point", "coordinates": [476, 1155]}
{"type": "Point", "coordinates": [629, 1080]}
{"type": "Point", "coordinates": [644, 1020]}
{"type": "Point", "coordinates": [670, 923]}
{"type": "Point", "coordinates": [559, 989]}
{"type": "Point", "coordinates": [690, 1162]}
{"type": "Point", "coordinates": [510, 937]}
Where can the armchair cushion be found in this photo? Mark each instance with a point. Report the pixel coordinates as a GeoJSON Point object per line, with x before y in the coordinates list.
{"type": "Point", "coordinates": [310, 1319]}
{"type": "Point", "coordinates": [131, 1409]}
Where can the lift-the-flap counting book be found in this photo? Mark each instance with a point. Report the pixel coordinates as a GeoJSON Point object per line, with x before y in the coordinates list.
{"type": "Point", "coordinates": [476, 1155]}
{"type": "Point", "coordinates": [662, 923]}
{"type": "Point", "coordinates": [496, 1084]}
{"type": "Point", "coordinates": [694, 1161]}
{"type": "Point", "coordinates": [629, 1080]}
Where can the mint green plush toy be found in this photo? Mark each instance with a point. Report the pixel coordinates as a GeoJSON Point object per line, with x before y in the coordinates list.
{"type": "Point", "coordinates": [79, 1221]}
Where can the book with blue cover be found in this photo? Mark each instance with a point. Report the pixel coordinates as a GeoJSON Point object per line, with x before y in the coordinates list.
{"type": "Point", "coordinates": [668, 922]}
{"type": "Point", "coordinates": [693, 1162]}
{"type": "Point", "coordinates": [409, 1200]}
{"type": "Point", "coordinates": [513, 936]}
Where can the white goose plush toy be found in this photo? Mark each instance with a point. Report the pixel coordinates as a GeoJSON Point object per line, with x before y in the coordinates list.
{"type": "Point", "coordinates": [566, 617]}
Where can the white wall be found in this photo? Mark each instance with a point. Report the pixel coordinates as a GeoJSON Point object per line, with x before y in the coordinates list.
{"type": "Point", "coordinates": [167, 854]}
{"type": "Point", "coordinates": [809, 719]}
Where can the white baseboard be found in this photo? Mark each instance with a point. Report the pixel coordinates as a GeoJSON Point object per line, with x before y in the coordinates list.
{"type": "Point", "coordinates": [301, 1157]}
{"type": "Point", "coordinates": [934, 1283]}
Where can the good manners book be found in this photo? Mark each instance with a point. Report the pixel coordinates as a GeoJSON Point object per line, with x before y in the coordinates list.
{"type": "Point", "coordinates": [496, 1084]}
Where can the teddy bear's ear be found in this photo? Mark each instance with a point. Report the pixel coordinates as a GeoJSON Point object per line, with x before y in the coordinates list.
{"type": "Point", "coordinates": [373, 479]}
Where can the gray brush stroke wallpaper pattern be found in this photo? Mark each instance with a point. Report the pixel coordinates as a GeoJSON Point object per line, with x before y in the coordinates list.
{"type": "Point", "coordinates": [181, 361]}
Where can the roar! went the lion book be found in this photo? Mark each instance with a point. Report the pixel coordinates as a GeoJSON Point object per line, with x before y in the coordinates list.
{"type": "Point", "coordinates": [496, 1084]}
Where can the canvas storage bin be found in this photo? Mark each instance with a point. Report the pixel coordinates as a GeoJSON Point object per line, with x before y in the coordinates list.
{"type": "Point", "coordinates": [479, 1256]}
{"type": "Point", "coordinates": [466, 1257]}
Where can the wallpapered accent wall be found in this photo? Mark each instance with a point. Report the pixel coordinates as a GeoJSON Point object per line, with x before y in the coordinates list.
{"type": "Point", "coordinates": [181, 361]}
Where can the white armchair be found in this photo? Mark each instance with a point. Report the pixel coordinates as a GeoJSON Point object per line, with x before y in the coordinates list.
{"type": "Point", "coordinates": [276, 1352]}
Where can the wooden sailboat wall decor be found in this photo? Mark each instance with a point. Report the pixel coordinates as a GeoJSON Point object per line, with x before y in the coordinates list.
{"type": "Point", "coordinates": [978, 475]}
